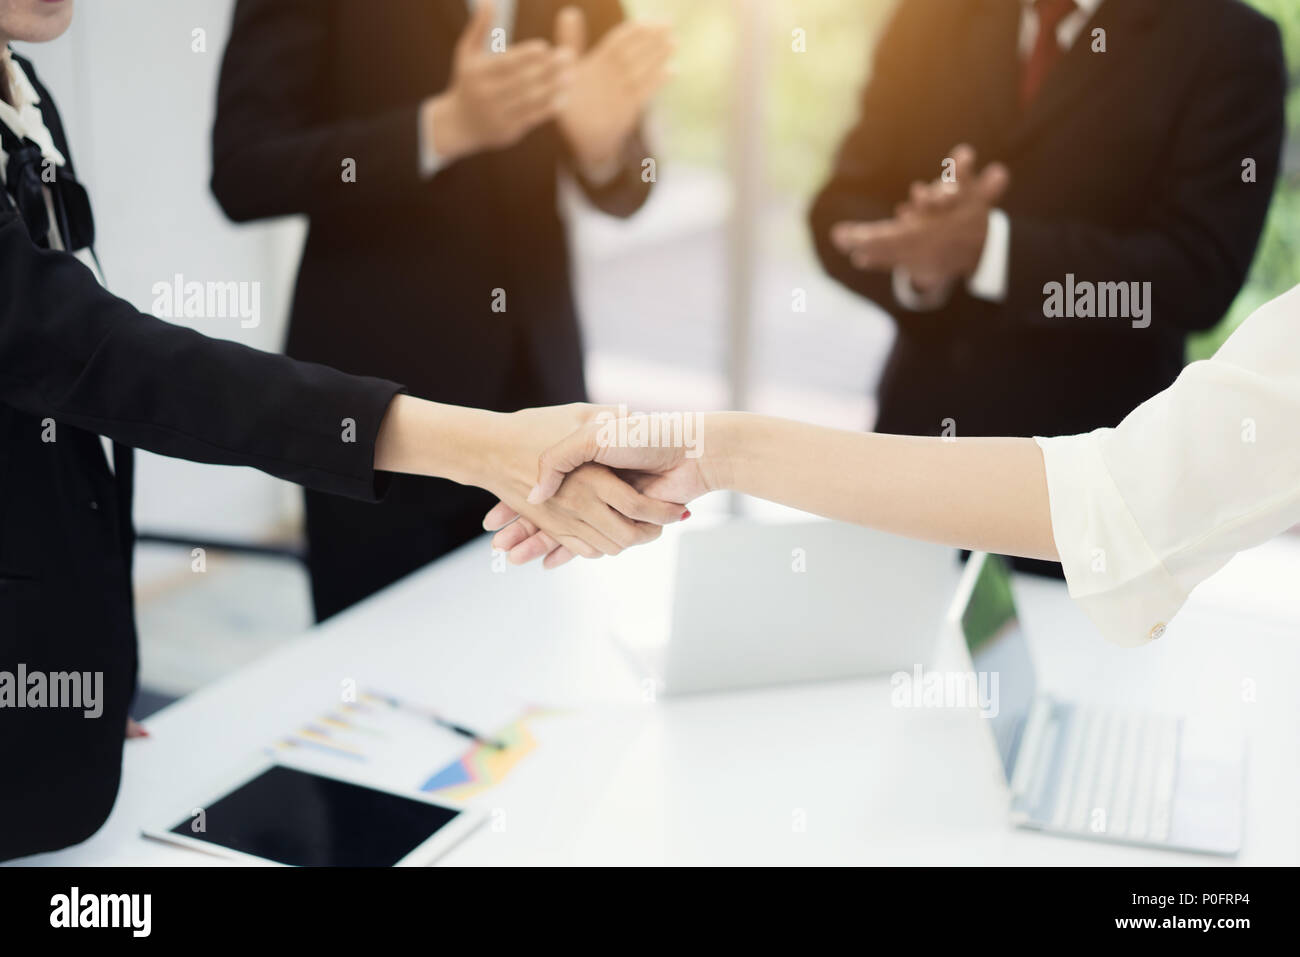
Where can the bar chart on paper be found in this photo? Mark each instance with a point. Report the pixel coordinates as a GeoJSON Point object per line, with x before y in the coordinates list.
{"type": "Point", "coordinates": [395, 744]}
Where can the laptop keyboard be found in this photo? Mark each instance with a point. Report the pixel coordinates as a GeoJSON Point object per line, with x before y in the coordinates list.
{"type": "Point", "coordinates": [1115, 773]}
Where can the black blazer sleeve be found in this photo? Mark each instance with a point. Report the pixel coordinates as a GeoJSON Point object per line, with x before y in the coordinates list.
{"type": "Point", "coordinates": [277, 148]}
{"type": "Point", "coordinates": [627, 191]}
{"type": "Point", "coordinates": [71, 351]}
{"type": "Point", "coordinates": [863, 185]}
{"type": "Point", "coordinates": [1197, 236]}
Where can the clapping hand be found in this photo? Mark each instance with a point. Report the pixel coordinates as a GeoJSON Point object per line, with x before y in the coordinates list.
{"type": "Point", "coordinates": [611, 84]}
{"type": "Point", "coordinates": [496, 98]}
{"type": "Point", "coordinates": [938, 233]}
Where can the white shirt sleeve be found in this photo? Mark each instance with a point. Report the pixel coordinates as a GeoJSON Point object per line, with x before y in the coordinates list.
{"type": "Point", "coordinates": [909, 297]}
{"type": "Point", "coordinates": [1144, 512]}
{"type": "Point", "coordinates": [430, 160]}
{"type": "Point", "coordinates": [989, 280]}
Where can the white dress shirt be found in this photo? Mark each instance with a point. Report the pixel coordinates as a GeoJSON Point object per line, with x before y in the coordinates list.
{"type": "Point", "coordinates": [989, 280]}
{"type": "Point", "coordinates": [1144, 512]}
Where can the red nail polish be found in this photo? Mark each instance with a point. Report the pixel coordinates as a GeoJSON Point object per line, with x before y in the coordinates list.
{"type": "Point", "coordinates": [686, 514]}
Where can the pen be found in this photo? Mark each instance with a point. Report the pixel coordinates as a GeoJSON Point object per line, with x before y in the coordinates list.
{"type": "Point", "coordinates": [443, 722]}
{"type": "Point", "coordinates": [466, 732]}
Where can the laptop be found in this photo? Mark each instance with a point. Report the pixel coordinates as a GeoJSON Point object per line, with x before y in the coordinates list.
{"type": "Point", "coordinates": [752, 604]}
{"type": "Point", "coordinates": [1088, 772]}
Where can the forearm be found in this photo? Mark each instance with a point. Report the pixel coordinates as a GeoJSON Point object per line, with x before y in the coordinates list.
{"type": "Point", "coordinates": [419, 437]}
{"type": "Point", "coordinates": [625, 191]}
{"type": "Point", "coordinates": [988, 494]}
{"type": "Point", "coordinates": [280, 143]}
{"type": "Point", "coordinates": [835, 205]}
{"type": "Point", "coordinates": [263, 168]}
{"type": "Point", "coordinates": [73, 353]}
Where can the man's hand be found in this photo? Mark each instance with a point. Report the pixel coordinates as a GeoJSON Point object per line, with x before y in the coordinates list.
{"type": "Point", "coordinates": [495, 99]}
{"type": "Point", "coordinates": [611, 85]}
{"type": "Point", "coordinates": [666, 472]}
{"type": "Point", "coordinates": [938, 233]}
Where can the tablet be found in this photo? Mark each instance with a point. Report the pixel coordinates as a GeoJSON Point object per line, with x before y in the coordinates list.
{"type": "Point", "coordinates": [274, 813]}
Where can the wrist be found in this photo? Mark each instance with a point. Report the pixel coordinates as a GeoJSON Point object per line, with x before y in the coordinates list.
{"type": "Point", "coordinates": [485, 450]}
{"type": "Point", "coordinates": [979, 234]}
{"type": "Point", "coordinates": [722, 438]}
{"type": "Point", "coordinates": [594, 148]}
{"type": "Point", "coordinates": [419, 437]}
{"type": "Point", "coordinates": [601, 172]}
{"type": "Point", "coordinates": [443, 121]}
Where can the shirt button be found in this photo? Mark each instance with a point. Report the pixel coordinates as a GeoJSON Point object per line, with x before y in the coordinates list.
{"type": "Point", "coordinates": [1157, 632]}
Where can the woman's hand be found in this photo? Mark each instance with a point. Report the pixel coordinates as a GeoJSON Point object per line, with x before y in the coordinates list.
{"type": "Point", "coordinates": [601, 515]}
{"type": "Point", "coordinates": [597, 513]}
{"type": "Point", "coordinates": [649, 452]}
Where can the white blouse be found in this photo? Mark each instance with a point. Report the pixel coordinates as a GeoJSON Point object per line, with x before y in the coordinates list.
{"type": "Point", "coordinates": [24, 118]}
{"type": "Point", "coordinates": [1144, 512]}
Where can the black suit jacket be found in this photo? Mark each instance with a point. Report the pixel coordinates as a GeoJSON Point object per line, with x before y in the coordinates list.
{"type": "Point", "coordinates": [72, 353]}
{"type": "Point", "coordinates": [398, 273]}
{"type": "Point", "coordinates": [1127, 167]}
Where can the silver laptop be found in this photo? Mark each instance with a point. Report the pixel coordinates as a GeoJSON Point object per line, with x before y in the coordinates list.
{"type": "Point", "coordinates": [1125, 777]}
{"type": "Point", "coordinates": [752, 604]}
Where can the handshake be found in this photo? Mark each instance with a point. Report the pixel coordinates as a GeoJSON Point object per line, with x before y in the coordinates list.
{"type": "Point", "coordinates": [571, 480]}
{"type": "Point", "coordinates": [612, 482]}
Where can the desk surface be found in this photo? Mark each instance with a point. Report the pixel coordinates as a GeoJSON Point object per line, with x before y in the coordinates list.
{"type": "Point", "coordinates": [811, 774]}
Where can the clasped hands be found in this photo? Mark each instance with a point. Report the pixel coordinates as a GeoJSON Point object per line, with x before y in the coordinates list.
{"type": "Point", "coordinates": [586, 495]}
{"type": "Point", "coordinates": [497, 96]}
{"type": "Point", "coordinates": [937, 234]}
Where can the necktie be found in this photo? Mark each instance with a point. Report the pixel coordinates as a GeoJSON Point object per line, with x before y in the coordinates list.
{"type": "Point", "coordinates": [1047, 49]}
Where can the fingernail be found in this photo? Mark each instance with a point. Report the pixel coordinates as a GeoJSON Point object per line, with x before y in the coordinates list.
{"type": "Point", "coordinates": [535, 496]}
{"type": "Point", "coordinates": [686, 514]}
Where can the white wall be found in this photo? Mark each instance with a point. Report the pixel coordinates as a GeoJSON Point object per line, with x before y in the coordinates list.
{"type": "Point", "coordinates": [138, 102]}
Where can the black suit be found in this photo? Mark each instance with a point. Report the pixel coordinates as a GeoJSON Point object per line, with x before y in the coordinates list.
{"type": "Point", "coordinates": [73, 353]}
{"type": "Point", "coordinates": [1126, 167]}
{"type": "Point", "coordinates": [398, 274]}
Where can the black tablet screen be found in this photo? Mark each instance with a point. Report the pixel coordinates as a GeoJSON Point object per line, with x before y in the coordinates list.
{"type": "Point", "coordinates": [294, 817]}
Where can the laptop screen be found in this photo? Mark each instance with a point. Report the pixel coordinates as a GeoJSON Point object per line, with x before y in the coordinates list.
{"type": "Point", "coordinates": [998, 649]}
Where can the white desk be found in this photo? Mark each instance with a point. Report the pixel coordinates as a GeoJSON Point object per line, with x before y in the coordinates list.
{"type": "Point", "coordinates": [729, 778]}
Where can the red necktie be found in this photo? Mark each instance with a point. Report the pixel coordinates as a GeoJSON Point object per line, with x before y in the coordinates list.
{"type": "Point", "coordinates": [1047, 49]}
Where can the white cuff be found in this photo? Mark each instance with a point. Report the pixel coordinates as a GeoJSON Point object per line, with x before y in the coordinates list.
{"type": "Point", "coordinates": [1110, 568]}
{"type": "Point", "coordinates": [989, 280]}
{"type": "Point", "coordinates": [602, 174]}
{"type": "Point", "coordinates": [909, 297]}
{"type": "Point", "coordinates": [430, 161]}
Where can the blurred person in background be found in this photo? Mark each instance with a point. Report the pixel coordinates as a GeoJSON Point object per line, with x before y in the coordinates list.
{"type": "Point", "coordinates": [423, 139]}
{"type": "Point", "coordinates": [1115, 155]}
